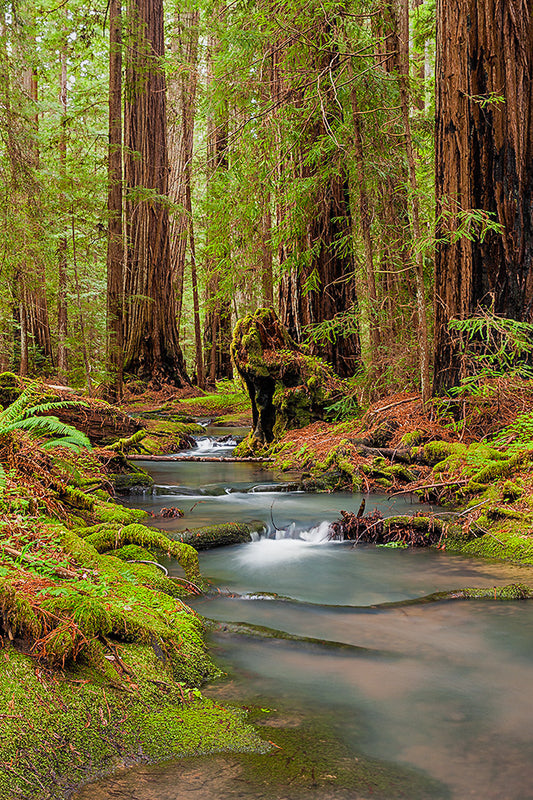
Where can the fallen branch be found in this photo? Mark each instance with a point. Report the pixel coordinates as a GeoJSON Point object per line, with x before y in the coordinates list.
{"type": "Point", "coordinates": [430, 486]}
{"type": "Point", "coordinates": [61, 571]}
{"type": "Point", "coordinates": [393, 405]}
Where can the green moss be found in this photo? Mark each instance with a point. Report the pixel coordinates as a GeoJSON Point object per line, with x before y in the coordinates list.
{"type": "Point", "coordinates": [512, 491]}
{"type": "Point", "coordinates": [10, 388]}
{"type": "Point", "coordinates": [412, 438]}
{"type": "Point", "coordinates": [128, 443]}
{"type": "Point", "coordinates": [419, 523]}
{"type": "Point", "coordinates": [216, 535]}
{"type": "Point", "coordinates": [132, 552]}
{"type": "Point", "coordinates": [434, 452]}
{"type": "Point", "coordinates": [504, 544]}
{"type": "Point", "coordinates": [125, 482]}
{"type": "Point", "coordinates": [75, 498]}
{"type": "Point", "coordinates": [514, 591]}
{"type": "Point", "coordinates": [113, 512]}
{"type": "Point", "coordinates": [113, 538]}
{"type": "Point", "coordinates": [498, 468]}
{"type": "Point", "coordinates": [65, 729]}
{"type": "Point", "coordinates": [16, 615]}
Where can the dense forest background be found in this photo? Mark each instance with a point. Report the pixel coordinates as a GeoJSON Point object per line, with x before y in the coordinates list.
{"type": "Point", "coordinates": [364, 168]}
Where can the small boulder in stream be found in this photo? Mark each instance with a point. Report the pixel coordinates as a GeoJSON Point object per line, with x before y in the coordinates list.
{"type": "Point", "coordinates": [288, 388]}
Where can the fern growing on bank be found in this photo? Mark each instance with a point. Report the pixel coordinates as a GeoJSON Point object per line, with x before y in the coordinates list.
{"type": "Point", "coordinates": [25, 414]}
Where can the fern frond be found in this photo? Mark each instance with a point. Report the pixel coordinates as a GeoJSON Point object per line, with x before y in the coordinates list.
{"type": "Point", "coordinates": [48, 426]}
{"type": "Point", "coordinates": [17, 408]}
{"type": "Point", "coordinates": [45, 408]}
{"type": "Point", "coordinates": [66, 441]}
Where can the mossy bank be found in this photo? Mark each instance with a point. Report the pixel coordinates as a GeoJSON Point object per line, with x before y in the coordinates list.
{"type": "Point", "coordinates": [102, 661]}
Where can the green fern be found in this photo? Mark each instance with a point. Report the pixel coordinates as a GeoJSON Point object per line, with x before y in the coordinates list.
{"type": "Point", "coordinates": [24, 414]}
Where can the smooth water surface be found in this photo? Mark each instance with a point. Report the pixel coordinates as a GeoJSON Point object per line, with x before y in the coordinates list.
{"type": "Point", "coordinates": [445, 688]}
{"type": "Point", "coordinates": [224, 491]}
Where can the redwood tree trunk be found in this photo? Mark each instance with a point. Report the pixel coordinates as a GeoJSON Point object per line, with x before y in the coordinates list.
{"type": "Point", "coordinates": [217, 320]}
{"type": "Point", "coordinates": [182, 104]}
{"type": "Point", "coordinates": [484, 161]}
{"type": "Point", "coordinates": [151, 344]}
{"type": "Point", "coordinates": [115, 243]}
{"type": "Point", "coordinates": [62, 313]}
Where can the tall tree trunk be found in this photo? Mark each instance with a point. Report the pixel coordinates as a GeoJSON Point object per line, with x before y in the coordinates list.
{"type": "Point", "coordinates": [62, 315]}
{"type": "Point", "coordinates": [266, 253]}
{"type": "Point", "coordinates": [200, 375]}
{"type": "Point", "coordinates": [151, 344]}
{"type": "Point", "coordinates": [364, 218]}
{"type": "Point", "coordinates": [484, 160]}
{"type": "Point", "coordinates": [115, 241]}
{"type": "Point", "coordinates": [217, 320]}
{"type": "Point", "coordinates": [35, 299]}
{"type": "Point", "coordinates": [81, 321]}
{"type": "Point", "coordinates": [182, 105]}
{"type": "Point", "coordinates": [417, 257]}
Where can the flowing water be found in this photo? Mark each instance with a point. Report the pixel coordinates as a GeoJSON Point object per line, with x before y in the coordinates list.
{"type": "Point", "coordinates": [441, 690]}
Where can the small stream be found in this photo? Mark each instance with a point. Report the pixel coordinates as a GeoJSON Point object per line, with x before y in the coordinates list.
{"type": "Point", "coordinates": [440, 690]}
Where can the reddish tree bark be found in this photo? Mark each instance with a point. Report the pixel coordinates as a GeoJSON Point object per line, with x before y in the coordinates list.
{"type": "Point", "coordinates": [151, 344]}
{"type": "Point", "coordinates": [484, 161]}
{"type": "Point", "coordinates": [115, 242]}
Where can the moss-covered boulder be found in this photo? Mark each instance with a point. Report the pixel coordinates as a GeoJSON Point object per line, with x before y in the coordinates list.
{"type": "Point", "coordinates": [288, 388]}
{"type": "Point", "coordinates": [216, 535]}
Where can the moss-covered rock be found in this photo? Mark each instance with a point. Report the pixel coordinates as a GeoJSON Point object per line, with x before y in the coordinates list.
{"type": "Point", "coordinates": [126, 483]}
{"type": "Point", "coordinates": [216, 535]}
{"type": "Point", "coordinates": [287, 387]}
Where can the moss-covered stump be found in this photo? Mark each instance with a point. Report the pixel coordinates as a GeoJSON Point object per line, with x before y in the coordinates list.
{"type": "Point", "coordinates": [64, 728]}
{"type": "Point", "coordinates": [287, 387]}
{"type": "Point", "coordinates": [11, 387]}
{"type": "Point", "coordinates": [216, 535]}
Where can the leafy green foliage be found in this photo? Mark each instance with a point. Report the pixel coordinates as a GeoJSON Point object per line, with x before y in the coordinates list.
{"type": "Point", "coordinates": [492, 347]}
{"type": "Point", "coordinates": [518, 435]}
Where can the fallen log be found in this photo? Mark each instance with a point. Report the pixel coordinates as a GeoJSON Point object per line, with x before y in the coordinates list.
{"type": "Point", "coordinates": [215, 535]}
{"type": "Point", "coordinates": [100, 422]}
{"type": "Point", "coordinates": [138, 457]}
{"type": "Point", "coordinates": [393, 454]}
